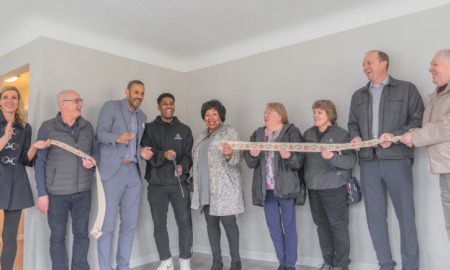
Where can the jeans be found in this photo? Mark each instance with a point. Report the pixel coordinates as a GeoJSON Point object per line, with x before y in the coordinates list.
{"type": "Point", "coordinates": [280, 218]}
{"type": "Point", "coordinates": [79, 206]}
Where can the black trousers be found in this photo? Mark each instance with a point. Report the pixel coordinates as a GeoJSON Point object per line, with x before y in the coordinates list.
{"type": "Point", "coordinates": [329, 211]}
{"type": "Point", "coordinates": [159, 198]}
{"type": "Point", "coordinates": [9, 235]}
{"type": "Point", "coordinates": [231, 230]}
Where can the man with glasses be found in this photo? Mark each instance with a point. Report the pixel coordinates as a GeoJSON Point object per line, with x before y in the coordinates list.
{"type": "Point", "coordinates": [64, 180]}
{"type": "Point", "coordinates": [119, 131]}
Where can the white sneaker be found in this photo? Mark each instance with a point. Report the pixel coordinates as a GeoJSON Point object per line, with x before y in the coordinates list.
{"type": "Point", "coordinates": [185, 264]}
{"type": "Point", "coordinates": [166, 265]}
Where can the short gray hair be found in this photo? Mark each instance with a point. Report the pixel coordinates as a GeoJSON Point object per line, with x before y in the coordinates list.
{"type": "Point", "coordinates": [445, 53]}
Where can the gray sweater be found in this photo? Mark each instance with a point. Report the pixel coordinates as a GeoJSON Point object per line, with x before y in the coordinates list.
{"type": "Point", "coordinates": [318, 174]}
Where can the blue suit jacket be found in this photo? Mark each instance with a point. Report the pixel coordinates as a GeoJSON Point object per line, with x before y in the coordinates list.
{"type": "Point", "coordinates": [112, 122]}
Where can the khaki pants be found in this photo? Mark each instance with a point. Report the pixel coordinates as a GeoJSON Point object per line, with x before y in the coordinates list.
{"type": "Point", "coordinates": [445, 197]}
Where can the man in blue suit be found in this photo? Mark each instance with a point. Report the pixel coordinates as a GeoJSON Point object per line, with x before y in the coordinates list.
{"type": "Point", "coordinates": [119, 131]}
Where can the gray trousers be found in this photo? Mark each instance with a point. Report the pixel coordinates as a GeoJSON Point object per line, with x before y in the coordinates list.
{"type": "Point", "coordinates": [159, 198]}
{"type": "Point", "coordinates": [122, 194]}
{"type": "Point", "coordinates": [444, 180]}
{"type": "Point", "coordinates": [329, 211]}
{"type": "Point", "coordinates": [231, 229]}
{"type": "Point", "coordinates": [380, 177]}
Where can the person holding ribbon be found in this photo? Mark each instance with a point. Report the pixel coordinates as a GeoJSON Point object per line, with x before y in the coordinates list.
{"type": "Point", "coordinates": [327, 190]}
{"type": "Point", "coordinates": [170, 141]}
{"type": "Point", "coordinates": [386, 107]}
{"type": "Point", "coordinates": [435, 131]}
{"type": "Point", "coordinates": [217, 182]}
{"type": "Point", "coordinates": [16, 152]}
{"type": "Point", "coordinates": [276, 184]}
{"type": "Point", "coordinates": [63, 180]}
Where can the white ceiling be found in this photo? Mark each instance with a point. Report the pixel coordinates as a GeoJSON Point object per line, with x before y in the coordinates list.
{"type": "Point", "coordinates": [185, 35]}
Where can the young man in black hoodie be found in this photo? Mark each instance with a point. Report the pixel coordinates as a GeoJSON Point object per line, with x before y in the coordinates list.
{"type": "Point", "coordinates": [169, 139]}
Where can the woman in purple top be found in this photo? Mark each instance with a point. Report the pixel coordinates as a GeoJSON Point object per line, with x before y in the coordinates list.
{"type": "Point", "coordinates": [275, 181]}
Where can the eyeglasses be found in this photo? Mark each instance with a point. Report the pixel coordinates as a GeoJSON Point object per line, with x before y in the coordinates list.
{"type": "Point", "coordinates": [77, 101]}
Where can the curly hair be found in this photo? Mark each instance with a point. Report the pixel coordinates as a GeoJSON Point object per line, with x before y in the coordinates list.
{"type": "Point", "coordinates": [214, 104]}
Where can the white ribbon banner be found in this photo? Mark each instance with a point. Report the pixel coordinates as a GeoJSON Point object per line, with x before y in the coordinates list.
{"type": "Point", "coordinates": [304, 147]}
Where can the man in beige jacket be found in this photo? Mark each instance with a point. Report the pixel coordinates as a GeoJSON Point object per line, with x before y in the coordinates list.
{"type": "Point", "coordinates": [435, 131]}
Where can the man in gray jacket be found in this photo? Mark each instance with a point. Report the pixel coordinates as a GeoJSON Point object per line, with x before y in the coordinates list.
{"type": "Point", "coordinates": [64, 180]}
{"type": "Point", "coordinates": [384, 108]}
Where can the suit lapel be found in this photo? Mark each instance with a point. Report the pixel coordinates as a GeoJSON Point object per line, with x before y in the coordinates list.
{"type": "Point", "coordinates": [140, 122]}
{"type": "Point", "coordinates": [126, 114]}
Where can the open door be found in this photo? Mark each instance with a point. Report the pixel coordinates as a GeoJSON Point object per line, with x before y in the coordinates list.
{"type": "Point", "coordinates": [22, 83]}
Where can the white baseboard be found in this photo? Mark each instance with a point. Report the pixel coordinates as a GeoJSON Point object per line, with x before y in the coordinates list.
{"type": "Point", "coordinates": [253, 255]}
{"type": "Point", "coordinates": [271, 257]}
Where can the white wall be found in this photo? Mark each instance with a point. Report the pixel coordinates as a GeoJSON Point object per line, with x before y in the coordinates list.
{"type": "Point", "coordinates": [98, 77]}
{"type": "Point", "coordinates": [327, 68]}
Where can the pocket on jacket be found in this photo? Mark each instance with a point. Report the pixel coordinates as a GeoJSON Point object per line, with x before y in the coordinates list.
{"type": "Point", "coordinates": [394, 103]}
{"type": "Point", "coordinates": [289, 186]}
{"type": "Point", "coordinates": [52, 179]}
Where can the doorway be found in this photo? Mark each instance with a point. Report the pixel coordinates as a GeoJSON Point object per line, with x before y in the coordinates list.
{"type": "Point", "coordinates": [22, 83]}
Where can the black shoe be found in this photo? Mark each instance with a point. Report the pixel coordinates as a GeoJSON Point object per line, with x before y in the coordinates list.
{"type": "Point", "coordinates": [236, 265]}
{"type": "Point", "coordinates": [281, 267]}
{"type": "Point", "coordinates": [290, 268]}
{"type": "Point", "coordinates": [217, 265]}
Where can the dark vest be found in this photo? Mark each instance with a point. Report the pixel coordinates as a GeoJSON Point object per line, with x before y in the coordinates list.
{"type": "Point", "coordinates": [64, 171]}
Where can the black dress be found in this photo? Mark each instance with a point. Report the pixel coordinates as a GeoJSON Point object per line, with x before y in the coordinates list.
{"type": "Point", "coordinates": [15, 189]}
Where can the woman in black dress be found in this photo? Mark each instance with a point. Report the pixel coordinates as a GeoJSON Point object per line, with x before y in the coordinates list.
{"type": "Point", "coordinates": [16, 152]}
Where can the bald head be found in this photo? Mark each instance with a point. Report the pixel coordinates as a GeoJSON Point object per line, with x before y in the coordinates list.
{"type": "Point", "coordinates": [70, 105]}
{"type": "Point", "coordinates": [65, 95]}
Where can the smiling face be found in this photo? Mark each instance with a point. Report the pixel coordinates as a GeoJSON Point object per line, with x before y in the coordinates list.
{"type": "Point", "coordinates": [440, 69]}
{"type": "Point", "coordinates": [272, 119]}
{"type": "Point", "coordinates": [135, 95]}
{"type": "Point", "coordinates": [71, 107]}
{"type": "Point", "coordinates": [374, 69]}
{"type": "Point", "coordinates": [321, 119]}
{"type": "Point", "coordinates": [9, 101]}
{"type": "Point", "coordinates": [167, 109]}
{"type": "Point", "coordinates": [212, 120]}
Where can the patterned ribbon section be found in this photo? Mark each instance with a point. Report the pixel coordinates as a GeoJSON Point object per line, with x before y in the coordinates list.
{"type": "Point", "coordinates": [305, 147]}
{"type": "Point", "coordinates": [97, 228]}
